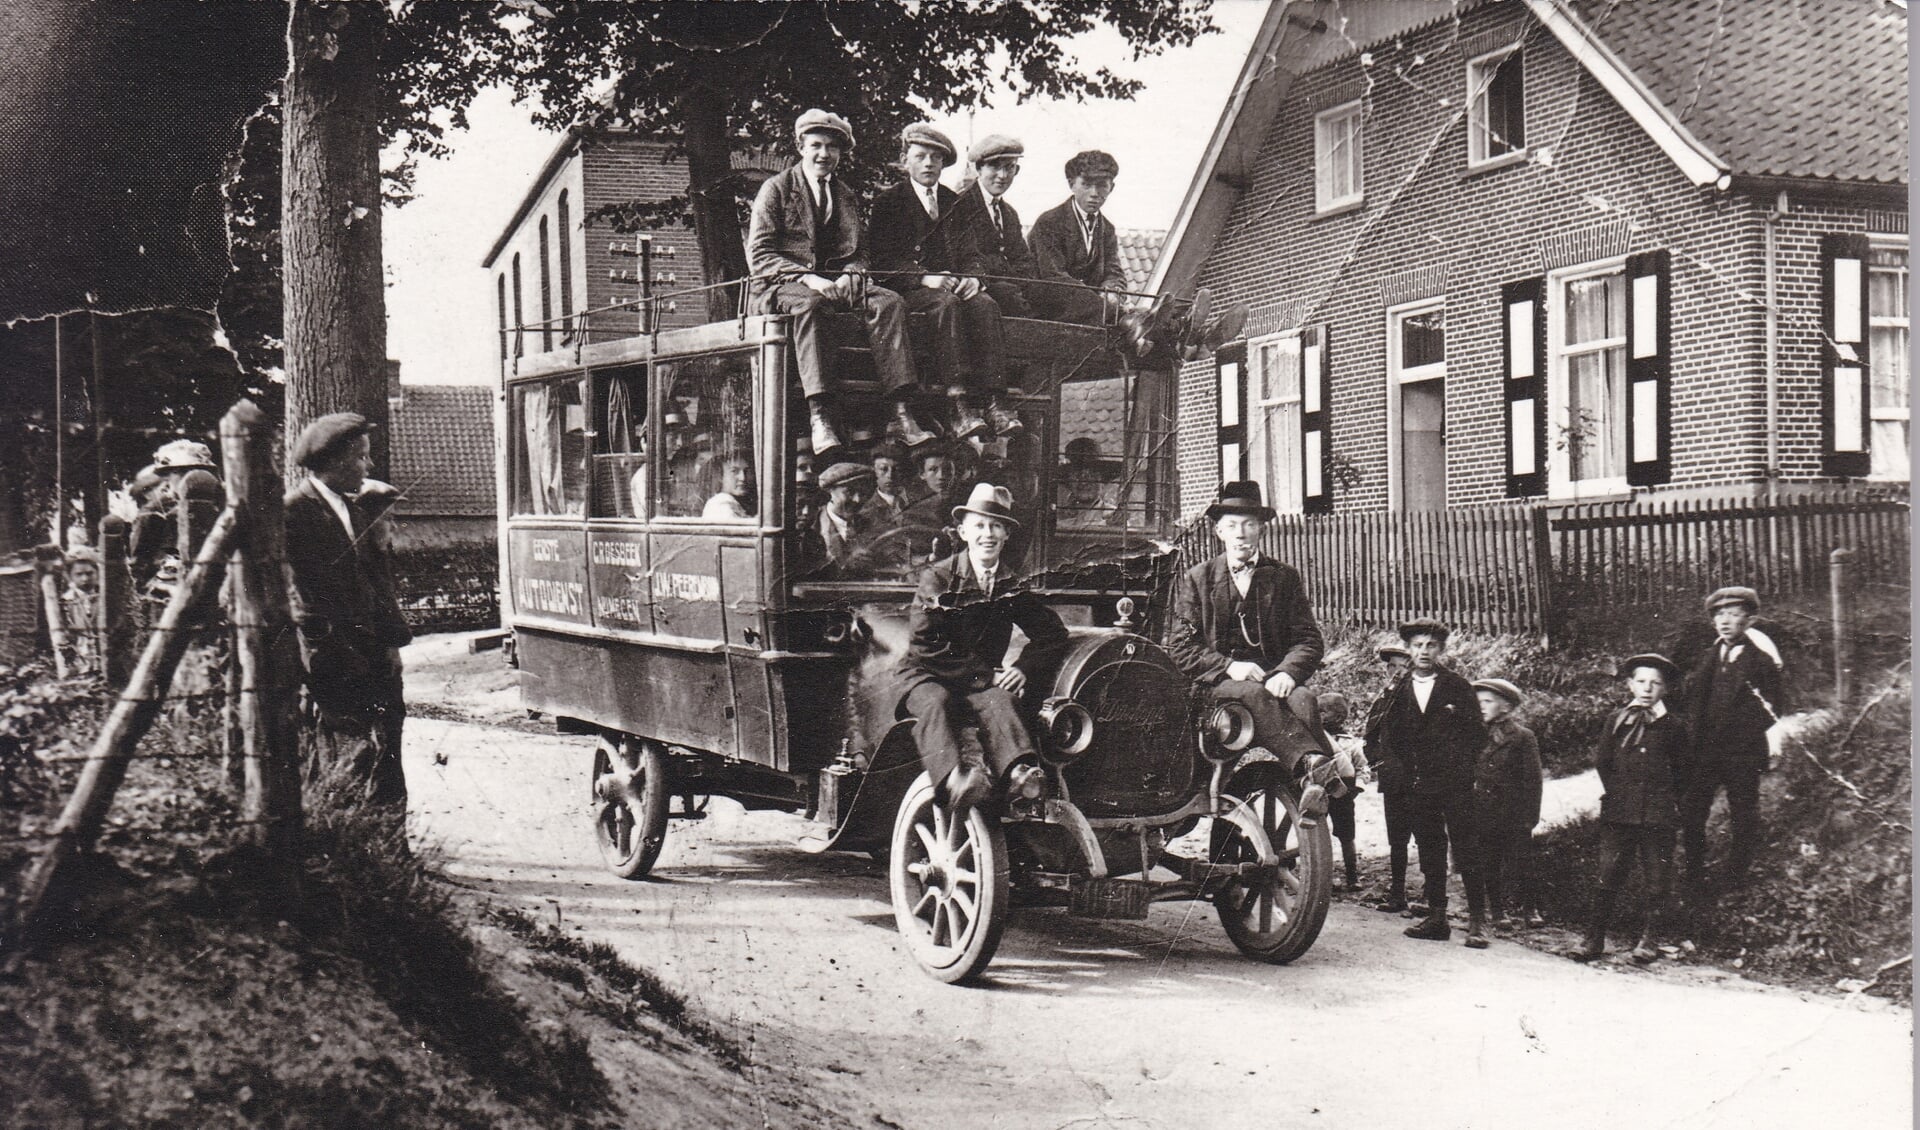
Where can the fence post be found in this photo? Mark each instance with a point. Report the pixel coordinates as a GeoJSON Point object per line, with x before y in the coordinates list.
{"type": "Point", "coordinates": [46, 574]}
{"type": "Point", "coordinates": [1543, 572]}
{"type": "Point", "coordinates": [264, 646]}
{"type": "Point", "coordinates": [1840, 563]}
{"type": "Point", "coordinates": [116, 602]}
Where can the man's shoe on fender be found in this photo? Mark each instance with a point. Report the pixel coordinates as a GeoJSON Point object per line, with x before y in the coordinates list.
{"type": "Point", "coordinates": [1432, 928]}
{"type": "Point", "coordinates": [967, 787]}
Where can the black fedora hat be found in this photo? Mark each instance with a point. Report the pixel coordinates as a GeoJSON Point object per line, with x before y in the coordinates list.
{"type": "Point", "coordinates": [1242, 497]}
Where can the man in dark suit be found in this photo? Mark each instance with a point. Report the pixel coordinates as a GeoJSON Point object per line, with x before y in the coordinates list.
{"type": "Point", "coordinates": [983, 212]}
{"type": "Point", "coordinates": [955, 667]}
{"type": "Point", "coordinates": [1243, 629]}
{"type": "Point", "coordinates": [1734, 696]}
{"type": "Point", "coordinates": [348, 614]}
{"type": "Point", "coordinates": [920, 253]}
{"type": "Point", "coordinates": [1076, 249]}
{"type": "Point", "coordinates": [1390, 775]}
{"type": "Point", "coordinates": [804, 246]}
{"type": "Point", "coordinates": [1432, 726]}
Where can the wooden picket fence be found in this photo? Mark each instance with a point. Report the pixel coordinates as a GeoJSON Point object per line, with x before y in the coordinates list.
{"type": "Point", "coordinates": [1527, 566]}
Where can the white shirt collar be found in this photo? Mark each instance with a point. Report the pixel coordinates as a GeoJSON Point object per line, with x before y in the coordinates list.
{"type": "Point", "coordinates": [840, 524]}
{"type": "Point", "coordinates": [984, 574]}
{"type": "Point", "coordinates": [335, 503]}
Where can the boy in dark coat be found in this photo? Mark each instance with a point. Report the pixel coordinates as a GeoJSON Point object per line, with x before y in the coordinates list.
{"type": "Point", "coordinates": [1076, 249]}
{"type": "Point", "coordinates": [1506, 799]}
{"type": "Point", "coordinates": [1432, 725]}
{"type": "Point", "coordinates": [1642, 761]}
{"type": "Point", "coordinates": [1735, 694]}
{"type": "Point", "coordinates": [993, 225]}
{"type": "Point", "coordinates": [1390, 777]}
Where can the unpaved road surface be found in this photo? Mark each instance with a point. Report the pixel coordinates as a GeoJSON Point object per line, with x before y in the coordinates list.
{"type": "Point", "coordinates": [1144, 1024]}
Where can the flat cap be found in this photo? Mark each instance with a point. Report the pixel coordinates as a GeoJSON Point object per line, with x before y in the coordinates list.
{"type": "Point", "coordinates": [842, 474]}
{"type": "Point", "coordinates": [1733, 594]}
{"type": "Point", "coordinates": [995, 147]}
{"type": "Point", "coordinates": [1425, 626]}
{"type": "Point", "coordinates": [182, 455]}
{"type": "Point", "coordinates": [1502, 688]}
{"type": "Point", "coordinates": [1392, 651]}
{"type": "Point", "coordinates": [920, 133]}
{"type": "Point", "coordinates": [1651, 659]}
{"type": "Point", "coordinates": [817, 120]}
{"type": "Point", "coordinates": [1092, 163]}
{"type": "Point", "coordinates": [327, 435]}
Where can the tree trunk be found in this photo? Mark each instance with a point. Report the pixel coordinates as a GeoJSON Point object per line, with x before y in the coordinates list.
{"type": "Point", "coordinates": [716, 214]}
{"type": "Point", "coordinates": [336, 309]}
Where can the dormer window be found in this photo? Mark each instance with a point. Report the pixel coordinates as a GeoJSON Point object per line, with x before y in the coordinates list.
{"type": "Point", "coordinates": [1337, 180]}
{"type": "Point", "coordinates": [1496, 108]}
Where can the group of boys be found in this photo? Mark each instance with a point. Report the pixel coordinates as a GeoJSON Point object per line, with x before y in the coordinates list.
{"type": "Point", "coordinates": [958, 258]}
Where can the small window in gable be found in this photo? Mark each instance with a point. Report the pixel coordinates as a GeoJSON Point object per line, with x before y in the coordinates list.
{"type": "Point", "coordinates": [1496, 107]}
{"type": "Point", "coordinates": [1337, 180]}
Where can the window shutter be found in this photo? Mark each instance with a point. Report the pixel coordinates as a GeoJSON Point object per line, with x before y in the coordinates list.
{"type": "Point", "coordinates": [1524, 338]}
{"type": "Point", "coordinates": [1316, 411]}
{"type": "Point", "coordinates": [1649, 345]}
{"type": "Point", "coordinates": [1845, 429]}
{"type": "Point", "coordinates": [1230, 379]}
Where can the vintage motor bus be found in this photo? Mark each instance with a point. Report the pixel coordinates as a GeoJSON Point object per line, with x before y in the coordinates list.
{"type": "Point", "coordinates": [709, 649]}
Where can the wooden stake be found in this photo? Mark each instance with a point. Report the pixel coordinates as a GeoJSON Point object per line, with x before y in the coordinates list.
{"type": "Point", "coordinates": [116, 615]}
{"type": "Point", "coordinates": [46, 572]}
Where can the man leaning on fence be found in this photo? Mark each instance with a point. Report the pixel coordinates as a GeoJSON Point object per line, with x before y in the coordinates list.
{"type": "Point", "coordinates": [345, 606]}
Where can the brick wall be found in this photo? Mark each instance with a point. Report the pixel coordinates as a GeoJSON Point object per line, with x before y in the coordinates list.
{"type": "Point", "coordinates": [1605, 188]}
{"type": "Point", "coordinates": [627, 169]}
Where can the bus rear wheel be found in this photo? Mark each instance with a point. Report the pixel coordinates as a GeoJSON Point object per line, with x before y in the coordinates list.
{"type": "Point", "coordinates": [630, 789]}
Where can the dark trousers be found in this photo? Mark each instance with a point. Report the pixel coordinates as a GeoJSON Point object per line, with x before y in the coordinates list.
{"type": "Point", "coordinates": [1282, 729]}
{"type": "Point", "coordinates": [1442, 820]}
{"type": "Point", "coordinates": [1506, 862]}
{"type": "Point", "coordinates": [886, 318]}
{"type": "Point", "coordinates": [360, 751]}
{"type": "Point", "coordinates": [969, 346]}
{"type": "Point", "coordinates": [1398, 809]}
{"type": "Point", "coordinates": [1741, 780]}
{"type": "Point", "coordinates": [1067, 302]}
{"type": "Point", "coordinates": [1651, 845]}
{"type": "Point", "coordinates": [939, 712]}
{"type": "Point", "coordinates": [1011, 298]}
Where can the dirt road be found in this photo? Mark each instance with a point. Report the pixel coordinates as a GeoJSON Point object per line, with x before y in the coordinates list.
{"type": "Point", "coordinates": [1152, 1024]}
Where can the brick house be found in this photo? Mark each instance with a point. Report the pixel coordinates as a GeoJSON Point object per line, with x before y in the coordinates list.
{"type": "Point", "coordinates": [1553, 249]}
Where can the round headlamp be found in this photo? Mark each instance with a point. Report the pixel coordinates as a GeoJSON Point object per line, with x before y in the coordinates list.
{"type": "Point", "coordinates": [1230, 727]}
{"type": "Point", "coordinates": [1068, 726]}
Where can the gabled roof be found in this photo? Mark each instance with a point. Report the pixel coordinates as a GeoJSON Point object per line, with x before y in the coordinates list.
{"type": "Point", "coordinates": [442, 450]}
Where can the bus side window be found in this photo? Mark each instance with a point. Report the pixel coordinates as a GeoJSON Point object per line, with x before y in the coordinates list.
{"type": "Point", "coordinates": [550, 445]}
{"type": "Point", "coordinates": [620, 484]}
{"type": "Point", "coordinates": [708, 467]}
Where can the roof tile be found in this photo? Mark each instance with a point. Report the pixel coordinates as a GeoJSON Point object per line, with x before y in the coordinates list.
{"type": "Point", "coordinates": [442, 450]}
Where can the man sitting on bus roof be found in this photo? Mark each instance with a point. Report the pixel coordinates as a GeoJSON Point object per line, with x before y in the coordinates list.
{"type": "Point", "coordinates": [955, 671]}
{"type": "Point", "coordinates": [1076, 249]}
{"type": "Point", "coordinates": [982, 210]}
{"type": "Point", "coordinates": [804, 247]}
{"type": "Point", "coordinates": [920, 253]}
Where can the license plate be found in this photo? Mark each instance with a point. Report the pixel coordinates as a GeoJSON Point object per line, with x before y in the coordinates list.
{"type": "Point", "coordinates": [1108, 898]}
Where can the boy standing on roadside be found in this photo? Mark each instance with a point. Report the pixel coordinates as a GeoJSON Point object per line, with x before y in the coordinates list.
{"type": "Point", "coordinates": [1734, 696]}
{"type": "Point", "coordinates": [1390, 777]}
{"type": "Point", "coordinates": [1506, 799]}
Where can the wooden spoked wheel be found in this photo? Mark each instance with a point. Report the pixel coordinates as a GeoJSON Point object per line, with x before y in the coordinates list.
{"type": "Point", "coordinates": [630, 789]}
{"type": "Point", "coordinates": [1277, 917]}
{"type": "Point", "coordinates": [950, 888]}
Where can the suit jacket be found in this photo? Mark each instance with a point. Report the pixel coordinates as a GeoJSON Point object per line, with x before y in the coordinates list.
{"type": "Point", "coordinates": [840, 548]}
{"type": "Point", "coordinates": [1061, 254]}
{"type": "Point", "coordinates": [1439, 748]}
{"type": "Point", "coordinates": [904, 243]}
{"type": "Point", "coordinates": [1644, 780]}
{"type": "Point", "coordinates": [1001, 252]}
{"type": "Point", "coordinates": [958, 634]}
{"type": "Point", "coordinates": [342, 587]}
{"type": "Point", "coordinates": [1506, 785]}
{"type": "Point", "coordinates": [780, 236]}
{"type": "Point", "coordinates": [1735, 728]}
{"type": "Point", "coordinates": [1204, 630]}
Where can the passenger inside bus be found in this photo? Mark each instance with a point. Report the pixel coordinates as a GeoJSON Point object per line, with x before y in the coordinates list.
{"type": "Point", "coordinates": [734, 501]}
{"type": "Point", "coordinates": [844, 530]}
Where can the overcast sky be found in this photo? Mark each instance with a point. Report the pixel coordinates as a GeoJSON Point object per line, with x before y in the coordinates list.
{"type": "Point", "coordinates": [440, 312]}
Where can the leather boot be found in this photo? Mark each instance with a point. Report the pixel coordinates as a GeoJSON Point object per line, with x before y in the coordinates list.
{"type": "Point", "coordinates": [1349, 857]}
{"type": "Point", "coordinates": [1595, 942]}
{"type": "Point", "coordinates": [967, 422]}
{"type": "Point", "coordinates": [820, 423]}
{"type": "Point", "coordinates": [1476, 931]}
{"type": "Point", "coordinates": [1646, 951]}
{"type": "Point", "coordinates": [1432, 928]}
{"type": "Point", "coordinates": [1396, 894]}
{"type": "Point", "coordinates": [903, 428]}
{"type": "Point", "coordinates": [1005, 421]}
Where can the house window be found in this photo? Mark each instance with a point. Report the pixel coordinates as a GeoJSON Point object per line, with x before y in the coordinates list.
{"type": "Point", "coordinates": [566, 262]}
{"type": "Point", "coordinates": [502, 280]}
{"type": "Point", "coordinates": [1887, 365]}
{"type": "Point", "coordinates": [1496, 107]}
{"type": "Point", "coordinates": [1337, 178]}
{"type": "Point", "coordinates": [1587, 393]}
{"type": "Point", "coordinates": [1416, 406]}
{"type": "Point", "coordinates": [519, 319]}
{"type": "Point", "coordinates": [1274, 397]}
{"type": "Point", "coordinates": [546, 291]}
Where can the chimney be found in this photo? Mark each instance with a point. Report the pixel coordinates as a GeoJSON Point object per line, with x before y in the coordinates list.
{"type": "Point", "coordinates": [393, 381]}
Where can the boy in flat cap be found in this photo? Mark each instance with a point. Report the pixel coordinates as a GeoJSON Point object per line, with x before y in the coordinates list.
{"type": "Point", "coordinates": [990, 221]}
{"type": "Point", "coordinates": [1432, 725]}
{"type": "Point", "coordinates": [1642, 759]}
{"type": "Point", "coordinates": [1076, 249]}
{"type": "Point", "coordinates": [1734, 695]}
{"type": "Point", "coordinates": [1390, 776]}
{"type": "Point", "coordinates": [805, 248]}
{"type": "Point", "coordinates": [1506, 799]}
{"type": "Point", "coordinates": [348, 614]}
{"type": "Point", "coordinates": [1242, 628]}
{"type": "Point", "coordinates": [921, 252]}
{"type": "Point", "coordinates": [955, 669]}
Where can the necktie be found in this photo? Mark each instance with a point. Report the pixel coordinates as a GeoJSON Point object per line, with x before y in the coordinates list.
{"type": "Point", "coordinates": [826, 197]}
{"type": "Point", "coordinates": [1087, 230]}
{"type": "Point", "coordinates": [931, 199]}
{"type": "Point", "coordinates": [999, 221]}
{"type": "Point", "coordinates": [1633, 726]}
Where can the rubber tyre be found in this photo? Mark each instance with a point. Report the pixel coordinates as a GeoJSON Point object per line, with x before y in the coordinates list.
{"type": "Point", "coordinates": [949, 882]}
{"type": "Point", "coordinates": [631, 824]}
{"type": "Point", "coordinates": [1280, 921]}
